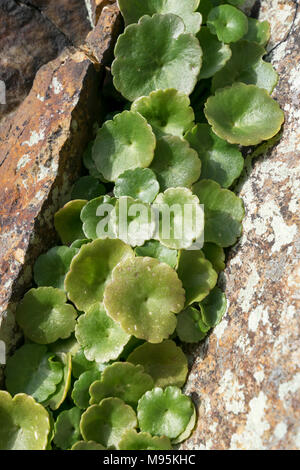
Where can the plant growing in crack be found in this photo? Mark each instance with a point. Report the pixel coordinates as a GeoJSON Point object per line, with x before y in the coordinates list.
{"type": "Point", "coordinates": [104, 328]}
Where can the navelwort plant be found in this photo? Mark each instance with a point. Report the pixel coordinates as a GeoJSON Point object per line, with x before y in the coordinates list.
{"type": "Point", "coordinates": [102, 365]}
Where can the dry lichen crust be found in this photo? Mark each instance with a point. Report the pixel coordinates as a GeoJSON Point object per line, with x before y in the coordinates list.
{"type": "Point", "coordinates": [245, 378]}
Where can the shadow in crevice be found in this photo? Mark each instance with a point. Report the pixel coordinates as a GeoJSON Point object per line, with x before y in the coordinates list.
{"type": "Point", "coordinates": [256, 9]}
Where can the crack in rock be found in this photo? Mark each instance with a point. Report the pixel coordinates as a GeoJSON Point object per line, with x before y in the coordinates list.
{"type": "Point", "coordinates": [296, 3]}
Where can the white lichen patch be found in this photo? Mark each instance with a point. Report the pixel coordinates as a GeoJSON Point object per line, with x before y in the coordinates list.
{"type": "Point", "coordinates": [56, 86]}
{"type": "Point", "coordinates": [40, 195]}
{"type": "Point", "coordinates": [284, 234]}
{"type": "Point", "coordinates": [251, 437]}
{"type": "Point", "coordinates": [289, 313]}
{"type": "Point", "coordinates": [259, 376]}
{"type": "Point", "coordinates": [280, 431]}
{"type": "Point", "coordinates": [294, 205]}
{"type": "Point", "coordinates": [243, 342]}
{"type": "Point", "coordinates": [35, 138]}
{"type": "Point", "coordinates": [45, 171]}
{"type": "Point", "coordinates": [289, 388]}
{"type": "Point", "coordinates": [246, 295]}
{"type": "Point", "coordinates": [213, 427]}
{"type": "Point", "coordinates": [23, 161]}
{"type": "Point", "coordinates": [220, 328]}
{"type": "Point", "coordinates": [231, 392]}
{"type": "Point", "coordinates": [260, 313]}
{"type": "Point", "coordinates": [206, 403]}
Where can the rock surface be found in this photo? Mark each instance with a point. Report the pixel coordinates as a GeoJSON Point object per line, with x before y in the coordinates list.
{"type": "Point", "coordinates": [34, 32]}
{"type": "Point", "coordinates": [41, 149]}
{"type": "Point", "coordinates": [246, 377]}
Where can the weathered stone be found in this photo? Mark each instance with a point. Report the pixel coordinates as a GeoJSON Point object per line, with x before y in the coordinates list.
{"type": "Point", "coordinates": [246, 377]}
{"type": "Point", "coordinates": [34, 32]}
{"type": "Point", "coordinates": [72, 18]}
{"type": "Point", "coordinates": [41, 150]}
{"type": "Point", "coordinates": [99, 51]}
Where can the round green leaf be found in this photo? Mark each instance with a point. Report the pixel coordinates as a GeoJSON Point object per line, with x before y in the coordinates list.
{"type": "Point", "coordinates": [213, 307]}
{"type": "Point", "coordinates": [87, 445]}
{"type": "Point", "coordinates": [243, 114]}
{"type": "Point", "coordinates": [121, 380]}
{"type": "Point", "coordinates": [224, 212]}
{"type": "Point", "coordinates": [133, 221]}
{"type": "Point", "coordinates": [67, 221]}
{"type": "Point", "coordinates": [91, 270]}
{"type": "Point", "coordinates": [133, 440]}
{"type": "Point", "coordinates": [96, 218]}
{"type": "Point", "coordinates": [258, 31]}
{"type": "Point", "coordinates": [51, 431]}
{"type": "Point", "coordinates": [106, 423]}
{"type": "Point", "coordinates": [221, 161]}
{"type": "Point", "coordinates": [165, 412]}
{"type": "Point", "coordinates": [175, 163]}
{"type": "Point", "coordinates": [69, 345]}
{"type": "Point", "coordinates": [168, 111]}
{"type": "Point", "coordinates": [165, 362]}
{"type": "Point", "coordinates": [180, 218]}
{"type": "Point", "coordinates": [197, 275]}
{"type": "Point", "coordinates": [67, 431]}
{"type": "Point", "coordinates": [190, 327]}
{"type": "Point", "coordinates": [80, 364]}
{"type": "Point", "coordinates": [34, 371]}
{"type": "Point", "coordinates": [140, 183]}
{"type": "Point", "coordinates": [246, 66]}
{"type": "Point", "coordinates": [125, 143]}
{"type": "Point", "coordinates": [215, 53]}
{"type": "Point", "coordinates": [228, 23]}
{"type": "Point", "coordinates": [188, 430]}
{"type": "Point", "coordinates": [78, 243]}
{"type": "Point", "coordinates": [143, 296]}
{"type": "Point", "coordinates": [80, 392]}
{"type": "Point", "coordinates": [133, 10]}
{"type": "Point", "coordinates": [215, 254]}
{"type": "Point", "coordinates": [102, 339]}
{"type": "Point", "coordinates": [154, 249]}
{"type": "Point", "coordinates": [55, 401]}
{"type": "Point", "coordinates": [87, 187]}
{"type": "Point", "coordinates": [51, 268]}
{"type": "Point", "coordinates": [156, 54]}
{"type": "Point", "coordinates": [44, 316]}
{"type": "Point", "coordinates": [25, 425]}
